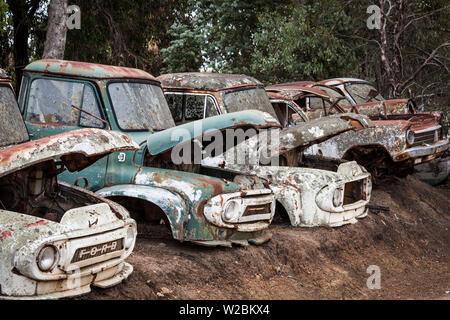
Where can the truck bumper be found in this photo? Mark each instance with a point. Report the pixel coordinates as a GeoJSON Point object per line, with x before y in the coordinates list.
{"type": "Point", "coordinates": [106, 279]}
{"type": "Point", "coordinates": [423, 154]}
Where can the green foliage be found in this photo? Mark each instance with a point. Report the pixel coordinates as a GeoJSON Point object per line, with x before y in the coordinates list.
{"type": "Point", "coordinates": [275, 41]}
{"type": "Point", "coordinates": [184, 53]}
{"type": "Point", "coordinates": [303, 45]}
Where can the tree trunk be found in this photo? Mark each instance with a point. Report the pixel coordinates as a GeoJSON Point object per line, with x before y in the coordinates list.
{"type": "Point", "coordinates": [55, 42]}
{"type": "Point", "coordinates": [22, 15]}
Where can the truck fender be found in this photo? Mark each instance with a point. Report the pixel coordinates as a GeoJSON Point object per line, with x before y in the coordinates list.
{"type": "Point", "coordinates": [172, 204]}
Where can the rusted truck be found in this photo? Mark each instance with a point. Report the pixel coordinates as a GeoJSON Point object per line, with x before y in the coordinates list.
{"type": "Point", "coordinates": [360, 93]}
{"type": "Point", "coordinates": [396, 144]}
{"type": "Point", "coordinates": [310, 197]}
{"type": "Point", "coordinates": [59, 96]}
{"type": "Point", "coordinates": [56, 240]}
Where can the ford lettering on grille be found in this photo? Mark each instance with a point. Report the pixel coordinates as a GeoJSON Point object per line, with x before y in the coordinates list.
{"type": "Point", "coordinates": [97, 250]}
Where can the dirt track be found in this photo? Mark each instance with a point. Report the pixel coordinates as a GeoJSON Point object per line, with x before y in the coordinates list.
{"type": "Point", "coordinates": [410, 244]}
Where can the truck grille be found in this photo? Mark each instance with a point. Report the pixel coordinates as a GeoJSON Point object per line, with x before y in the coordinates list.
{"type": "Point", "coordinates": [97, 250]}
{"type": "Point", "coordinates": [257, 209]}
{"type": "Point", "coordinates": [354, 192]}
{"type": "Point", "coordinates": [426, 137]}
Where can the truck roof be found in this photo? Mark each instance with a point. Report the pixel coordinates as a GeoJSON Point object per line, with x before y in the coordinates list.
{"type": "Point", "coordinates": [85, 69]}
{"type": "Point", "coordinates": [206, 81]}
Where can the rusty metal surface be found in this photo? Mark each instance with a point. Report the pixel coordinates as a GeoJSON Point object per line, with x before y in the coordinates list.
{"type": "Point", "coordinates": [290, 85]}
{"type": "Point", "coordinates": [294, 93]}
{"type": "Point", "coordinates": [87, 142]}
{"type": "Point", "coordinates": [84, 69]}
{"type": "Point", "coordinates": [206, 81]}
{"type": "Point", "coordinates": [336, 81]}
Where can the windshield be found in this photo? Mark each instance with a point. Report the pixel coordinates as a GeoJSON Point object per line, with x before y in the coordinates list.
{"type": "Point", "coordinates": [333, 94]}
{"type": "Point", "coordinates": [360, 92]}
{"type": "Point", "coordinates": [140, 106]}
{"type": "Point", "coordinates": [248, 99]}
{"type": "Point", "coordinates": [12, 127]}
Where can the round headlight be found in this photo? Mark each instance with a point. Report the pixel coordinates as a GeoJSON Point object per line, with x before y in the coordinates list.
{"type": "Point", "coordinates": [231, 210]}
{"type": "Point", "coordinates": [337, 197]}
{"type": "Point", "coordinates": [47, 258]}
{"type": "Point", "coordinates": [410, 138]}
{"type": "Point", "coordinates": [129, 239]}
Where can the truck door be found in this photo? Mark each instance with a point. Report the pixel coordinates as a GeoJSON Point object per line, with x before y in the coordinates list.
{"type": "Point", "coordinates": [53, 106]}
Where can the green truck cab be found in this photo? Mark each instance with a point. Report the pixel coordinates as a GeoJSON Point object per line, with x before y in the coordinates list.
{"type": "Point", "coordinates": [58, 96]}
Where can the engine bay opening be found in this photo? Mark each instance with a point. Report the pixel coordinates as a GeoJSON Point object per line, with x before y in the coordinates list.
{"type": "Point", "coordinates": [35, 191]}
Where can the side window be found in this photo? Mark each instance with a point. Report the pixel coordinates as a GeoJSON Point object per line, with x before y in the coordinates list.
{"type": "Point", "coordinates": [23, 91]}
{"type": "Point", "coordinates": [194, 107]}
{"type": "Point", "coordinates": [175, 102]}
{"type": "Point", "coordinates": [293, 117]}
{"type": "Point", "coordinates": [90, 105]}
{"type": "Point", "coordinates": [315, 103]}
{"type": "Point", "coordinates": [280, 110]}
{"type": "Point", "coordinates": [52, 101]}
{"type": "Point", "coordinates": [211, 109]}
{"type": "Point", "coordinates": [301, 103]}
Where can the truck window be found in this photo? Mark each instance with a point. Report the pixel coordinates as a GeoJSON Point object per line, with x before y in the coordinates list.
{"type": "Point", "coordinates": [195, 105]}
{"type": "Point", "coordinates": [211, 109]}
{"type": "Point", "coordinates": [175, 102]}
{"type": "Point", "coordinates": [315, 103]}
{"type": "Point", "coordinates": [51, 101]}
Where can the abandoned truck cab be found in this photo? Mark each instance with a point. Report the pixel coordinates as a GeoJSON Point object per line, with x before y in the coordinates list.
{"type": "Point", "coordinates": [58, 96]}
{"type": "Point", "coordinates": [199, 95]}
{"type": "Point", "coordinates": [56, 240]}
{"type": "Point", "coordinates": [396, 142]}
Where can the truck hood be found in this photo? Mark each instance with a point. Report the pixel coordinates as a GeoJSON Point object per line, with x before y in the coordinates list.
{"type": "Point", "coordinates": [77, 149]}
{"type": "Point", "coordinates": [298, 137]}
{"type": "Point", "coordinates": [164, 141]}
{"type": "Point", "coordinates": [312, 132]}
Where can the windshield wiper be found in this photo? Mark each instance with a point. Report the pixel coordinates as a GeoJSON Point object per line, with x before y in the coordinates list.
{"type": "Point", "coordinates": [94, 116]}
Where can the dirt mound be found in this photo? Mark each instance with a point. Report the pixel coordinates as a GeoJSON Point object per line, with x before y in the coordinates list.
{"type": "Point", "coordinates": [410, 244]}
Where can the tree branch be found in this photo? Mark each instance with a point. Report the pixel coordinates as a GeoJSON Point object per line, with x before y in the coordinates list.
{"type": "Point", "coordinates": [425, 63]}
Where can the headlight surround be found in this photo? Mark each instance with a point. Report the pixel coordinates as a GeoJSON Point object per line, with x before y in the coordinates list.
{"type": "Point", "coordinates": [129, 238]}
{"type": "Point", "coordinates": [231, 210]}
{"type": "Point", "coordinates": [410, 137]}
{"type": "Point", "coordinates": [47, 258]}
{"type": "Point", "coordinates": [337, 197]}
